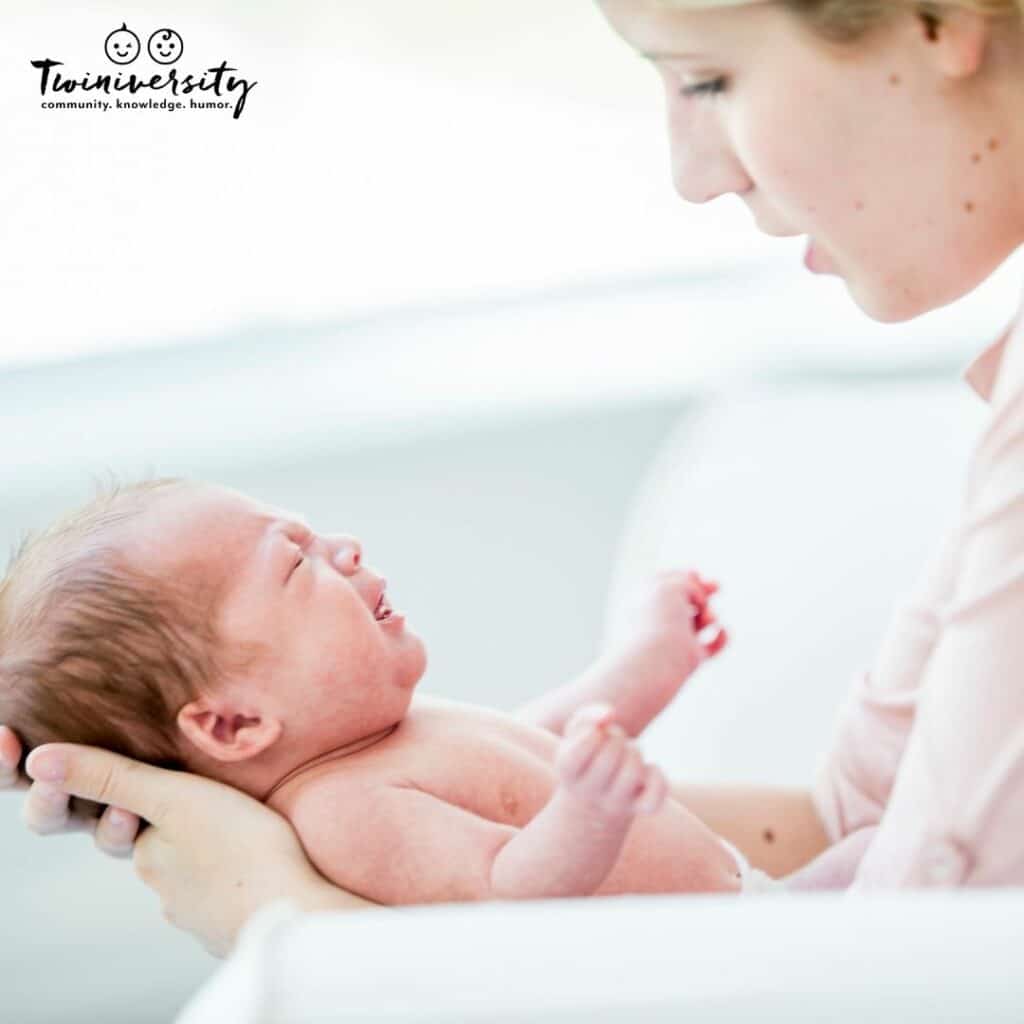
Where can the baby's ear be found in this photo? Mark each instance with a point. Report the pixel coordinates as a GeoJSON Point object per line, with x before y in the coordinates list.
{"type": "Point", "coordinates": [223, 733]}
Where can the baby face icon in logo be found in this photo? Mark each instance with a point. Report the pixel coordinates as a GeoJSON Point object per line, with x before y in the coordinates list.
{"type": "Point", "coordinates": [165, 46]}
{"type": "Point", "coordinates": [122, 45]}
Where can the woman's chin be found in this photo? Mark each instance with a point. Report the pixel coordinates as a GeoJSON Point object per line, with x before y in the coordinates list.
{"type": "Point", "coordinates": [888, 308]}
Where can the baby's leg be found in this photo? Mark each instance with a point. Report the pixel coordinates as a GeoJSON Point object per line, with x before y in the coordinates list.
{"type": "Point", "coordinates": [836, 867]}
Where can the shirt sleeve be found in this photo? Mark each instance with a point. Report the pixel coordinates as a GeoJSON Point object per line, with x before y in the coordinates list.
{"type": "Point", "coordinates": [957, 805]}
{"type": "Point", "coordinates": [855, 777]}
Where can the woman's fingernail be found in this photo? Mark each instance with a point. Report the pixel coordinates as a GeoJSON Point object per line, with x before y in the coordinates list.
{"type": "Point", "coordinates": [47, 765]}
{"type": "Point", "coordinates": [117, 818]}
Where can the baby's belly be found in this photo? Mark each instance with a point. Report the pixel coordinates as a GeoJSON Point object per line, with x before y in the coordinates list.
{"type": "Point", "coordinates": [503, 770]}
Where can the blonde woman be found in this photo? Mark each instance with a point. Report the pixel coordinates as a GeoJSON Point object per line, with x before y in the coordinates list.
{"type": "Point", "coordinates": [889, 132]}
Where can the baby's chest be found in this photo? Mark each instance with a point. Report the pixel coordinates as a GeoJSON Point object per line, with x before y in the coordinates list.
{"type": "Point", "coordinates": [493, 775]}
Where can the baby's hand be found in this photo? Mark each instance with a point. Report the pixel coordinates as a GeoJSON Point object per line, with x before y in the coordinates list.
{"type": "Point", "coordinates": [671, 617]}
{"type": "Point", "coordinates": [597, 762]}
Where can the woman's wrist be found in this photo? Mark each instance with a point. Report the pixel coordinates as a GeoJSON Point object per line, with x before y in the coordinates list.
{"type": "Point", "coordinates": [316, 893]}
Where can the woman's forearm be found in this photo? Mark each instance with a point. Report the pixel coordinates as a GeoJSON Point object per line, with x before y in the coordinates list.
{"type": "Point", "coordinates": [775, 827]}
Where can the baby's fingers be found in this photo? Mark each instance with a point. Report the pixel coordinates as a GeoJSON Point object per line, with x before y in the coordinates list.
{"type": "Point", "coordinates": [713, 646]}
{"type": "Point", "coordinates": [577, 751]}
{"type": "Point", "coordinates": [597, 776]}
{"type": "Point", "coordinates": [654, 792]}
{"type": "Point", "coordinates": [588, 716]}
{"type": "Point", "coordinates": [628, 782]}
{"type": "Point", "coordinates": [705, 617]}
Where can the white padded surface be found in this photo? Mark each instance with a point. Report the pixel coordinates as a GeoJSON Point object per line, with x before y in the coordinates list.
{"type": "Point", "coordinates": [914, 957]}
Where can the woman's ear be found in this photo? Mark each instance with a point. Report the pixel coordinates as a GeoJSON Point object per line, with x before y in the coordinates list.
{"type": "Point", "coordinates": [223, 733]}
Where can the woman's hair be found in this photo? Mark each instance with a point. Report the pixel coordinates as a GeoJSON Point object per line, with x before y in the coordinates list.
{"type": "Point", "coordinates": [92, 648]}
{"type": "Point", "coordinates": [850, 21]}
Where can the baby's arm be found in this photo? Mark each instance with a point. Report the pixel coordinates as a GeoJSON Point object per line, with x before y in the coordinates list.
{"type": "Point", "coordinates": [399, 845]}
{"type": "Point", "coordinates": [642, 675]}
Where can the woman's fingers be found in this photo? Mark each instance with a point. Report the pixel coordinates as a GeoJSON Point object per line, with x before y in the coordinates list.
{"type": "Point", "coordinates": [10, 755]}
{"type": "Point", "coordinates": [46, 809]}
{"type": "Point", "coordinates": [106, 778]}
{"type": "Point", "coordinates": [116, 832]}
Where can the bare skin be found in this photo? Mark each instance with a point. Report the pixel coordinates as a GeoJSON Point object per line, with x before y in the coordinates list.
{"type": "Point", "coordinates": [464, 803]}
{"type": "Point", "coordinates": [521, 809]}
{"type": "Point", "coordinates": [927, 204]}
{"type": "Point", "coordinates": [415, 801]}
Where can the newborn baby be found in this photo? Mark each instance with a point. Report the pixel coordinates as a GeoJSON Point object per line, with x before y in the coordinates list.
{"type": "Point", "coordinates": [189, 626]}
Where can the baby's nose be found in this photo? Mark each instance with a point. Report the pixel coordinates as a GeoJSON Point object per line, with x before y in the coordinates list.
{"type": "Point", "coordinates": [348, 554]}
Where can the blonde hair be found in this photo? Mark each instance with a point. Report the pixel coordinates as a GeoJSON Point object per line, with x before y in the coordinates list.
{"type": "Point", "coordinates": [849, 21]}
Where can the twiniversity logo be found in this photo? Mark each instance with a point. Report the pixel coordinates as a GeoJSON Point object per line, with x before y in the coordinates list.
{"type": "Point", "coordinates": [164, 47]}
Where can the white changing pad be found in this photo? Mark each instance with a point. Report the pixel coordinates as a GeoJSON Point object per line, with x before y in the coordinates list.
{"type": "Point", "coordinates": [802, 957]}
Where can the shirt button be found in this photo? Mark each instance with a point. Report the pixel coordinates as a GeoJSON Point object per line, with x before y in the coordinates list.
{"type": "Point", "coordinates": [945, 863]}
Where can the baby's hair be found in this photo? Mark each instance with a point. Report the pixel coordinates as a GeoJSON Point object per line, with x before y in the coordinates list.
{"type": "Point", "coordinates": [93, 649]}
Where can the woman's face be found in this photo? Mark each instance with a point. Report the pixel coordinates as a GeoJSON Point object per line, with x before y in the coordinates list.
{"type": "Point", "coordinates": [896, 155]}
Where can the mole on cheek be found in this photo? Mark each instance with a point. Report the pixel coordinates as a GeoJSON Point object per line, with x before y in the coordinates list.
{"type": "Point", "coordinates": [993, 145]}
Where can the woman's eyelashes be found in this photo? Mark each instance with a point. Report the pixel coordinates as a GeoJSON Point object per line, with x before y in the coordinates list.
{"type": "Point", "coordinates": [710, 88]}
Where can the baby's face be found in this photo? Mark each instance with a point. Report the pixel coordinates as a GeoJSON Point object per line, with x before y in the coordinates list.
{"type": "Point", "coordinates": [335, 665]}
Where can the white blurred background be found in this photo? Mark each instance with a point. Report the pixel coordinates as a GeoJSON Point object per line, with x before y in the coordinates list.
{"type": "Point", "coordinates": [433, 287]}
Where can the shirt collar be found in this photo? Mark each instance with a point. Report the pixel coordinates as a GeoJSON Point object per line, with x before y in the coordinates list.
{"type": "Point", "coordinates": [982, 372]}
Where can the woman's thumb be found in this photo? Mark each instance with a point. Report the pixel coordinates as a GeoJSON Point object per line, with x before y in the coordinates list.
{"type": "Point", "coordinates": [107, 778]}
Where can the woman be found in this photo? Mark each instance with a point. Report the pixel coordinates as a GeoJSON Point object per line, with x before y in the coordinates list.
{"type": "Point", "coordinates": [887, 130]}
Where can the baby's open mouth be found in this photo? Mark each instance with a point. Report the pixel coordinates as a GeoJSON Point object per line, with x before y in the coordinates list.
{"type": "Point", "coordinates": [383, 609]}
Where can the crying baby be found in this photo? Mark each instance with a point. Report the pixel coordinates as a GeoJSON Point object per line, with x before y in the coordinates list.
{"type": "Point", "coordinates": [189, 626]}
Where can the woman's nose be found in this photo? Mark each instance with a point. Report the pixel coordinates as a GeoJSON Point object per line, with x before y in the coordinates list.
{"type": "Point", "coordinates": [348, 554]}
{"type": "Point", "coordinates": [704, 165]}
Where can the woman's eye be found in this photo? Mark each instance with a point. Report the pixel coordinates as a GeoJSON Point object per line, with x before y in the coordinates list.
{"type": "Point", "coordinates": [710, 88]}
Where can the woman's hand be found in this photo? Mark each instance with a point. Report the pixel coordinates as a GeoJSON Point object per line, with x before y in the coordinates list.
{"type": "Point", "coordinates": [213, 854]}
{"type": "Point", "coordinates": [49, 809]}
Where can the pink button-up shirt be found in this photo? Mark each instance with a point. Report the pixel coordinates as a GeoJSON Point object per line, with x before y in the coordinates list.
{"type": "Point", "coordinates": [929, 745]}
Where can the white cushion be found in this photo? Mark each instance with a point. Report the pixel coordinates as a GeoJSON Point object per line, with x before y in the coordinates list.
{"type": "Point", "coordinates": [807, 957]}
